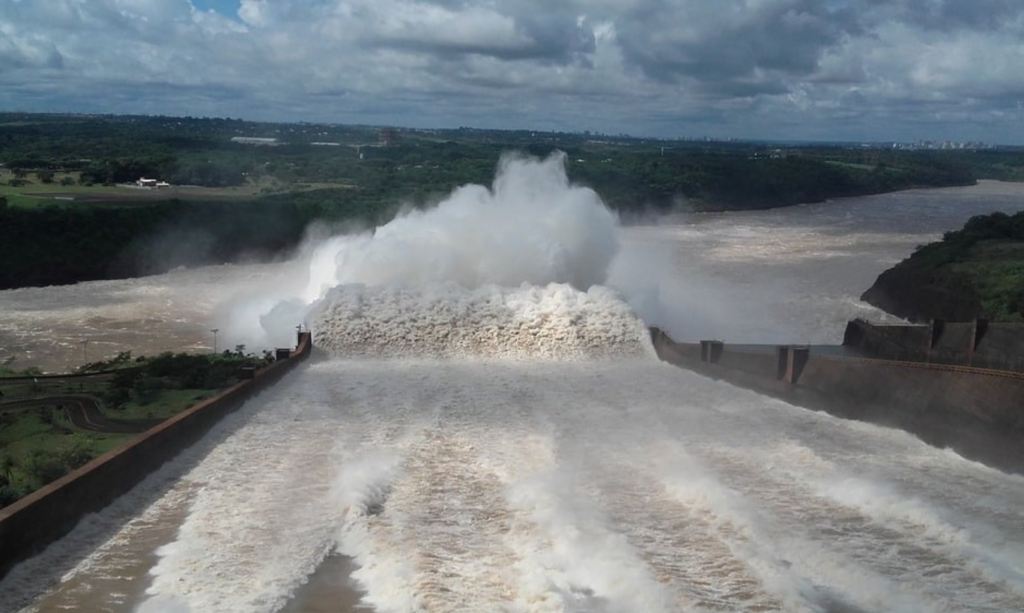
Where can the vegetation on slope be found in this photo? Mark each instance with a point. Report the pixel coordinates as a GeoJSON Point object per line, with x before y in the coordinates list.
{"type": "Point", "coordinates": [42, 443]}
{"type": "Point", "coordinates": [64, 219]}
{"type": "Point", "coordinates": [977, 271]}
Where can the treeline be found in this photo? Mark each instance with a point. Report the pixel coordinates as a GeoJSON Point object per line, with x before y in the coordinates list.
{"type": "Point", "coordinates": [55, 245]}
{"type": "Point", "coordinates": [364, 175]}
{"type": "Point", "coordinates": [957, 246]}
{"type": "Point", "coordinates": [628, 172]}
{"type": "Point", "coordinates": [226, 173]}
{"type": "Point", "coordinates": [643, 179]}
{"type": "Point", "coordinates": [996, 165]}
{"type": "Point", "coordinates": [717, 181]}
{"type": "Point", "coordinates": [144, 380]}
{"type": "Point", "coordinates": [52, 245]}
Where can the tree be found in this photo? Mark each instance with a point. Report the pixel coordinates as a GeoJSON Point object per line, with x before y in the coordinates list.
{"type": "Point", "coordinates": [7, 465]}
{"type": "Point", "coordinates": [8, 495]}
{"type": "Point", "coordinates": [46, 176]}
{"type": "Point", "coordinates": [45, 466]}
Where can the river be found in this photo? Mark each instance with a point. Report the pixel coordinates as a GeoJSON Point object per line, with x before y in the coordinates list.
{"type": "Point", "coordinates": [528, 480]}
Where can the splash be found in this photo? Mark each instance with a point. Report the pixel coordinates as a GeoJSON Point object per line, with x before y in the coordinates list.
{"type": "Point", "coordinates": [507, 267]}
{"type": "Point", "coordinates": [531, 227]}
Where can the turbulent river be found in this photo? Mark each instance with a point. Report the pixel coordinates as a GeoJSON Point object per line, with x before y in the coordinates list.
{"type": "Point", "coordinates": [491, 443]}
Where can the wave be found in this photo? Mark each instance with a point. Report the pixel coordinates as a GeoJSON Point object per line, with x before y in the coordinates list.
{"type": "Point", "coordinates": [554, 322]}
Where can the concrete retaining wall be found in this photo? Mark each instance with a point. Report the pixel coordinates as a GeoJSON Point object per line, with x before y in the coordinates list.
{"type": "Point", "coordinates": [977, 343]}
{"type": "Point", "coordinates": [32, 523]}
{"type": "Point", "coordinates": [977, 412]}
{"type": "Point", "coordinates": [889, 342]}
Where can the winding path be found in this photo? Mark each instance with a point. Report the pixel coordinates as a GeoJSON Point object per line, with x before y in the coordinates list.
{"type": "Point", "coordinates": [83, 411]}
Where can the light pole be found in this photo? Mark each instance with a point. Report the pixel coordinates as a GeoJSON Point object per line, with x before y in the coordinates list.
{"type": "Point", "coordinates": [215, 331]}
{"type": "Point", "coordinates": [85, 351]}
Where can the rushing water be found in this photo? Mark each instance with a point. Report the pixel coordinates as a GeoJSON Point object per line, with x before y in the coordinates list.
{"type": "Point", "coordinates": [524, 478]}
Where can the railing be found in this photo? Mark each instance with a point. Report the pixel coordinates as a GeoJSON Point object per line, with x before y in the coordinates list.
{"type": "Point", "coordinates": [991, 372]}
{"type": "Point", "coordinates": [974, 370]}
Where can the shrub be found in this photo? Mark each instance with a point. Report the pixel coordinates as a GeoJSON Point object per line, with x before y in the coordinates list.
{"type": "Point", "coordinates": [48, 466]}
{"type": "Point", "coordinates": [9, 495]}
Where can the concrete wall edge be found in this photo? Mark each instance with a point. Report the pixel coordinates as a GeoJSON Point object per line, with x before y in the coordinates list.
{"type": "Point", "coordinates": [125, 467]}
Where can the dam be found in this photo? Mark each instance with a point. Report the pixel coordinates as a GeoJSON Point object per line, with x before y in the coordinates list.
{"type": "Point", "coordinates": [547, 486]}
{"type": "Point", "coordinates": [973, 411]}
{"type": "Point", "coordinates": [540, 457]}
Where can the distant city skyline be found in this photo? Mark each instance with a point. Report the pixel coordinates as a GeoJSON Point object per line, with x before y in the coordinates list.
{"type": "Point", "coordinates": [813, 70]}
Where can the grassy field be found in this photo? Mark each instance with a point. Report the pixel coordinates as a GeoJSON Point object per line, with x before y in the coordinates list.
{"type": "Point", "coordinates": [40, 444]}
{"type": "Point", "coordinates": [33, 192]}
{"type": "Point", "coordinates": [851, 165]}
{"type": "Point", "coordinates": [167, 403]}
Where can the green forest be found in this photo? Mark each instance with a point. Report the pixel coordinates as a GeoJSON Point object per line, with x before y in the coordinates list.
{"type": "Point", "coordinates": [974, 272]}
{"type": "Point", "coordinates": [66, 213]}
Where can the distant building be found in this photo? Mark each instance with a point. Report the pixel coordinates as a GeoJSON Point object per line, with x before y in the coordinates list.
{"type": "Point", "coordinates": [252, 140]}
{"type": "Point", "coordinates": [151, 183]}
{"type": "Point", "coordinates": [386, 137]}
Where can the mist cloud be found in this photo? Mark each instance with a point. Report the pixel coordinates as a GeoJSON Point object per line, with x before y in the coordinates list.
{"type": "Point", "coordinates": [531, 228]}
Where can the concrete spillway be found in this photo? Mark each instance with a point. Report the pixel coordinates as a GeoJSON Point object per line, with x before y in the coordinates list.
{"type": "Point", "coordinates": [562, 483]}
{"type": "Point", "coordinates": [597, 485]}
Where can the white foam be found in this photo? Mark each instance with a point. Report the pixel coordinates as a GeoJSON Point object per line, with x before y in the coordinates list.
{"type": "Point", "coordinates": [991, 560]}
{"type": "Point", "coordinates": [384, 570]}
{"type": "Point", "coordinates": [231, 555]}
{"type": "Point", "coordinates": [552, 322]}
{"type": "Point", "coordinates": [580, 486]}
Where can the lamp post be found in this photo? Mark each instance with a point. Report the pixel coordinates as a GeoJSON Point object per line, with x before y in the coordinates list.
{"type": "Point", "coordinates": [215, 331]}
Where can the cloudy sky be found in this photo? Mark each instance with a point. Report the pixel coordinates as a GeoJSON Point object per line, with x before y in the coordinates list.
{"type": "Point", "coordinates": [782, 69]}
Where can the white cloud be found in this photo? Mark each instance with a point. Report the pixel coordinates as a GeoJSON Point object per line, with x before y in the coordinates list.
{"type": "Point", "coordinates": [765, 68]}
{"type": "Point", "coordinates": [254, 12]}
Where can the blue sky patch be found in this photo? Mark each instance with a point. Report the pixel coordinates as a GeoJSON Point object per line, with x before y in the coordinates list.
{"type": "Point", "coordinates": [228, 8]}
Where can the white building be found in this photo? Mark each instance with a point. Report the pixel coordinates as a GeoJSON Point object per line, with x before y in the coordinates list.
{"type": "Point", "coordinates": [252, 140]}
